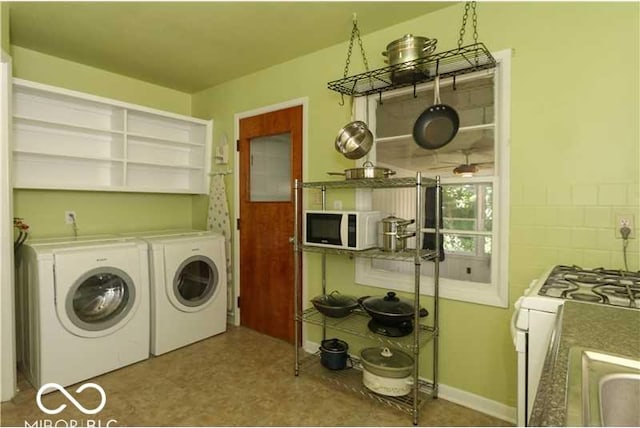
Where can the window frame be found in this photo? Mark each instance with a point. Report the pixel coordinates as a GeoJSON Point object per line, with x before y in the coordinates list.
{"type": "Point", "coordinates": [495, 293]}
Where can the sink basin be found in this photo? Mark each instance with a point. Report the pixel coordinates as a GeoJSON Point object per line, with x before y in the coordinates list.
{"type": "Point", "coordinates": [603, 389]}
{"type": "Point", "coordinates": [620, 400]}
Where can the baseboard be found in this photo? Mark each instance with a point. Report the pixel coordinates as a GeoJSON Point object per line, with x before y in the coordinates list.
{"type": "Point", "coordinates": [477, 402]}
{"type": "Point", "coordinates": [311, 347]}
{"type": "Point", "coordinates": [458, 396]}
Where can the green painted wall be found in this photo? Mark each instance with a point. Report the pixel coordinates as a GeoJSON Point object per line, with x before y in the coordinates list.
{"type": "Point", "coordinates": [39, 67]}
{"type": "Point", "coordinates": [99, 212]}
{"type": "Point", "coordinates": [574, 152]}
{"type": "Point", "coordinates": [4, 26]}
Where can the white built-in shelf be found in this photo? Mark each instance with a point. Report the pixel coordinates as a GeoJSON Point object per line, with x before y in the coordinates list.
{"type": "Point", "coordinates": [65, 139]}
{"type": "Point", "coordinates": [31, 153]}
{"type": "Point", "coordinates": [60, 125]}
{"type": "Point", "coordinates": [165, 165]}
{"type": "Point", "coordinates": [157, 140]}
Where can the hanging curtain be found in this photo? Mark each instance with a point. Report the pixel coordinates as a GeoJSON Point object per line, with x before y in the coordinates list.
{"type": "Point", "coordinates": [218, 221]}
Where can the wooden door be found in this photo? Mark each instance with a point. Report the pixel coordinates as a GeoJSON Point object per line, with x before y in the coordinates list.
{"type": "Point", "coordinates": [270, 147]}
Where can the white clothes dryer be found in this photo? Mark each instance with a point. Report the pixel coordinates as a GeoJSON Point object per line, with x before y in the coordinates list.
{"type": "Point", "coordinates": [83, 307]}
{"type": "Point", "coordinates": [188, 287]}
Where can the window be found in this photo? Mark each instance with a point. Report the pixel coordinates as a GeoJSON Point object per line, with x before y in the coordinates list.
{"type": "Point", "coordinates": [467, 207]}
{"type": "Point", "coordinates": [473, 169]}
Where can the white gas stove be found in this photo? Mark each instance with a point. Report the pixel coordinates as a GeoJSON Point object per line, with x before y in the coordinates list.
{"type": "Point", "coordinates": [535, 314]}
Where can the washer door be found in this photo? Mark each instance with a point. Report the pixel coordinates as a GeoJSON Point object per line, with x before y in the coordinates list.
{"type": "Point", "coordinates": [100, 299]}
{"type": "Point", "coordinates": [195, 283]}
{"type": "Point", "coordinates": [94, 298]}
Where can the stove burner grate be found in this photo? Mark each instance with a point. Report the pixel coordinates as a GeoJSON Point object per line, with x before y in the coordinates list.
{"type": "Point", "coordinates": [585, 297]}
{"type": "Point", "coordinates": [600, 285]}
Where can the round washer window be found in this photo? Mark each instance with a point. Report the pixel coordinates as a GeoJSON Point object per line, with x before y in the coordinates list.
{"type": "Point", "coordinates": [100, 298]}
{"type": "Point", "coordinates": [196, 281]}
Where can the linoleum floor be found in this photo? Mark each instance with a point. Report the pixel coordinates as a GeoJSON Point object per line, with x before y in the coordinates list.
{"type": "Point", "coordinates": [239, 378]}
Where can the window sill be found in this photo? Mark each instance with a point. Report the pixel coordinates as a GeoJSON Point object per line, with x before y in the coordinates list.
{"type": "Point", "coordinates": [465, 291]}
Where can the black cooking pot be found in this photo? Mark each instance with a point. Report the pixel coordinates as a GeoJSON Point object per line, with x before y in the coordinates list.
{"type": "Point", "coordinates": [334, 304]}
{"type": "Point", "coordinates": [333, 354]}
{"type": "Point", "coordinates": [390, 310]}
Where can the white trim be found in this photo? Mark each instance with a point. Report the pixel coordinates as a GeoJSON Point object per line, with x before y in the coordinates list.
{"type": "Point", "coordinates": [8, 385]}
{"type": "Point", "coordinates": [458, 396]}
{"type": "Point", "coordinates": [304, 102]}
{"type": "Point", "coordinates": [496, 293]}
{"type": "Point", "coordinates": [478, 403]}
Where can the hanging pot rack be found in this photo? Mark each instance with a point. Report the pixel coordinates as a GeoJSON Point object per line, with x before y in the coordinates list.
{"type": "Point", "coordinates": [455, 62]}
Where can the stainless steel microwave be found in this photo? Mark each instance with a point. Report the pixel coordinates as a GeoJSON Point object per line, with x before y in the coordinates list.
{"type": "Point", "coordinates": [349, 230]}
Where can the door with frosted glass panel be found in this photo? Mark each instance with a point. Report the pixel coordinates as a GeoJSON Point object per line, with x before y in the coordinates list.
{"type": "Point", "coordinates": [270, 160]}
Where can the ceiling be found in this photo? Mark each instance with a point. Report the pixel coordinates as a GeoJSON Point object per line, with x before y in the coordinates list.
{"type": "Point", "coordinates": [190, 46]}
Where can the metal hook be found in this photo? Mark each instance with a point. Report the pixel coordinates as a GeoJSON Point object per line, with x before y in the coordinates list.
{"type": "Point", "coordinates": [380, 97]}
{"type": "Point", "coordinates": [454, 82]}
{"type": "Point", "coordinates": [414, 91]}
{"type": "Point", "coordinates": [341, 102]}
{"type": "Point", "coordinates": [437, 66]}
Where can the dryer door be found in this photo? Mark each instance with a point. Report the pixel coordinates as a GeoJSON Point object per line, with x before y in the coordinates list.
{"type": "Point", "coordinates": [97, 302]}
{"type": "Point", "coordinates": [194, 282]}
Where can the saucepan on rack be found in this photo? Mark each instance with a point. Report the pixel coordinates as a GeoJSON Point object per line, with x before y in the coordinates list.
{"type": "Point", "coordinates": [409, 48]}
{"type": "Point", "coordinates": [405, 54]}
{"type": "Point", "coordinates": [395, 233]}
{"type": "Point", "coordinates": [368, 170]}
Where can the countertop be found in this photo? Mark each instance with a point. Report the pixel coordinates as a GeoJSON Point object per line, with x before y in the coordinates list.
{"type": "Point", "coordinates": [604, 328]}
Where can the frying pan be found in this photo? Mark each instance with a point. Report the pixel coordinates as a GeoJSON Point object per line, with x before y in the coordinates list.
{"type": "Point", "coordinates": [438, 124]}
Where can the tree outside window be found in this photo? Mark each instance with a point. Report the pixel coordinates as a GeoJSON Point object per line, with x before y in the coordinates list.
{"type": "Point", "coordinates": [467, 207]}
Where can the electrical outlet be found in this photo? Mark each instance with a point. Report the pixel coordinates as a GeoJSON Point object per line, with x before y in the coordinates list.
{"type": "Point", "coordinates": [70, 217]}
{"type": "Point", "coordinates": [624, 220]}
{"type": "Point", "coordinates": [337, 204]}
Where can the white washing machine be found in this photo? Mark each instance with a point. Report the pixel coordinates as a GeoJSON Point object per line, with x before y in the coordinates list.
{"type": "Point", "coordinates": [188, 287]}
{"type": "Point", "coordinates": [83, 307]}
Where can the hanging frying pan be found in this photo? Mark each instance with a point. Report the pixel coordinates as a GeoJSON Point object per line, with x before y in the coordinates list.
{"type": "Point", "coordinates": [438, 124]}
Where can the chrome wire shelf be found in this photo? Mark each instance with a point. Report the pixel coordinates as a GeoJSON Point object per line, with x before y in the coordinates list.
{"type": "Point", "coordinates": [351, 379]}
{"type": "Point", "coordinates": [407, 255]}
{"type": "Point", "coordinates": [378, 183]}
{"type": "Point", "coordinates": [455, 62]}
{"type": "Point", "coordinates": [356, 324]}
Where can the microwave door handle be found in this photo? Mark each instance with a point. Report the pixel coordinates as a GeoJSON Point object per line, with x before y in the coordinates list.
{"type": "Point", "coordinates": [344, 231]}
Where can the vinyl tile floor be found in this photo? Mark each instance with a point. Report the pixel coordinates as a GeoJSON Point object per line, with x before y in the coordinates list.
{"type": "Point", "coordinates": [238, 378]}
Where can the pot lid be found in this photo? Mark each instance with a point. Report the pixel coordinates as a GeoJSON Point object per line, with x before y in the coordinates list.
{"type": "Point", "coordinates": [389, 304]}
{"type": "Point", "coordinates": [335, 299]}
{"type": "Point", "coordinates": [408, 40]}
{"type": "Point", "coordinates": [334, 345]}
{"type": "Point", "coordinates": [394, 219]}
{"type": "Point", "coordinates": [387, 358]}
